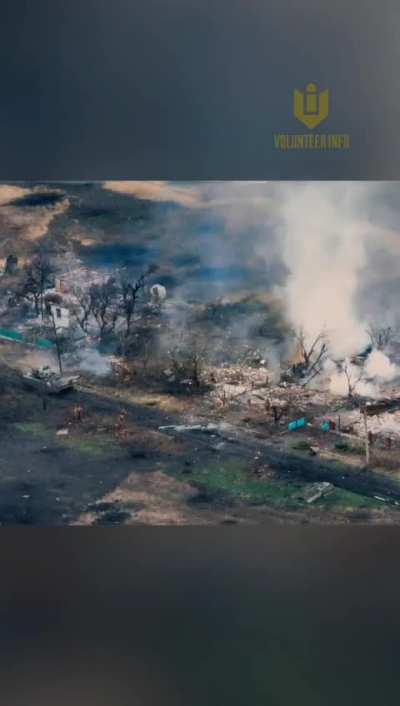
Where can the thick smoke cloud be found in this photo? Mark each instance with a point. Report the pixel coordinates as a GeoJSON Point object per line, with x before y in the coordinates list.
{"type": "Point", "coordinates": [324, 247]}
{"type": "Point", "coordinates": [330, 250]}
{"type": "Point", "coordinates": [332, 247]}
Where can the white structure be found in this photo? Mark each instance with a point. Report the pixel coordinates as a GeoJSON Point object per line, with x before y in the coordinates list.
{"type": "Point", "coordinates": [158, 293]}
{"type": "Point", "coordinates": [60, 315]}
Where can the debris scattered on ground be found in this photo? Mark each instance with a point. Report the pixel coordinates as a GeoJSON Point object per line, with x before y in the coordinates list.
{"type": "Point", "coordinates": [315, 491]}
{"type": "Point", "coordinates": [387, 423]}
{"type": "Point", "coordinates": [221, 428]}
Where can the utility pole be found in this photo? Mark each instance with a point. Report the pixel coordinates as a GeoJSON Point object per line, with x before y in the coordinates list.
{"type": "Point", "coordinates": [367, 443]}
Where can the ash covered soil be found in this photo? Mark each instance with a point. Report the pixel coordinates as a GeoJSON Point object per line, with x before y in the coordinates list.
{"type": "Point", "coordinates": [203, 466]}
{"type": "Point", "coordinates": [149, 450]}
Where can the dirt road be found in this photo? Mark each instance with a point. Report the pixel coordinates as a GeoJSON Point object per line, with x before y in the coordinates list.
{"type": "Point", "coordinates": [94, 474]}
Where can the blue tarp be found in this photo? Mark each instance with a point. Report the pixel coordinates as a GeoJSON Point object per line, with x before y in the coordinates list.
{"type": "Point", "coordinates": [297, 424]}
{"type": "Point", "coordinates": [18, 337]}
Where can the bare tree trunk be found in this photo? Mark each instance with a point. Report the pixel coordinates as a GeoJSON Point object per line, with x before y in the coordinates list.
{"type": "Point", "coordinates": [59, 356]}
{"type": "Point", "coordinates": [128, 324]}
{"type": "Point", "coordinates": [367, 444]}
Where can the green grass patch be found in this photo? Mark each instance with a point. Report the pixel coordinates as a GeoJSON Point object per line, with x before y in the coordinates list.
{"type": "Point", "coordinates": [345, 447]}
{"type": "Point", "coordinates": [342, 499]}
{"type": "Point", "coordinates": [34, 428]}
{"type": "Point", "coordinates": [301, 445]}
{"type": "Point", "coordinates": [97, 447]}
{"type": "Point", "coordinates": [232, 479]}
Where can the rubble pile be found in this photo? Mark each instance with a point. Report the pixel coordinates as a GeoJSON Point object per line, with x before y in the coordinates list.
{"type": "Point", "coordinates": [386, 424]}
{"type": "Point", "coordinates": [239, 384]}
{"type": "Point", "coordinates": [258, 387]}
{"type": "Point", "coordinates": [315, 491]}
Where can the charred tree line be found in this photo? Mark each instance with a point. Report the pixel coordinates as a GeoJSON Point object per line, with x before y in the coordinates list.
{"type": "Point", "coordinates": [99, 308]}
{"type": "Point", "coordinates": [102, 304]}
{"type": "Point", "coordinates": [107, 303]}
{"type": "Point", "coordinates": [37, 276]}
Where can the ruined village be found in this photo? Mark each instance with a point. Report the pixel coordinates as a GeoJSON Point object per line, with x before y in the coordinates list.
{"type": "Point", "coordinates": [127, 398]}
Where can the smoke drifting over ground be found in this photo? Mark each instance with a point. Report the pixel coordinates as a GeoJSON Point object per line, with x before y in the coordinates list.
{"type": "Point", "coordinates": [36, 359]}
{"type": "Point", "coordinates": [91, 361]}
{"type": "Point", "coordinates": [380, 367]}
{"type": "Point", "coordinates": [322, 245]}
{"type": "Point", "coordinates": [330, 251]}
{"type": "Point", "coordinates": [324, 248]}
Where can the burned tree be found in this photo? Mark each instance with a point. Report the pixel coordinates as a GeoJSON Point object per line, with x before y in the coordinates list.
{"type": "Point", "coordinates": [310, 356]}
{"type": "Point", "coordinates": [380, 336]}
{"type": "Point", "coordinates": [351, 380]}
{"type": "Point", "coordinates": [188, 358]}
{"type": "Point", "coordinates": [104, 306]}
{"type": "Point", "coordinates": [83, 310]}
{"type": "Point", "coordinates": [38, 276]}
{"type": "Point", "coordinates": [129, 296]}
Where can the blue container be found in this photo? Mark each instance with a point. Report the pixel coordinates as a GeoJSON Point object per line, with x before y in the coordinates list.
{"type": "Point", "coordinates": [297, 424]}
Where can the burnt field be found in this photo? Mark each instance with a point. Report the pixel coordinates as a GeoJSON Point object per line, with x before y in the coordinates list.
{"type": "Point", "coordinates": [176, 458]}
{"type": "Point", "coordinates": [199, 353]}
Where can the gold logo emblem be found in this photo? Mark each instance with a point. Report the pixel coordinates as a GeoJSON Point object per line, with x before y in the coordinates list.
{"type": "Point", "coordinates": [311, 107]}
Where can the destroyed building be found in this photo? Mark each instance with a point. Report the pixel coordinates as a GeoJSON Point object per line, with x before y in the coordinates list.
{"type": "Point", "coordinates": [11, 265]}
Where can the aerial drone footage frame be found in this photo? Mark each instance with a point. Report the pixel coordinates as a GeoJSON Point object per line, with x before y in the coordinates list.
{"type": "Point", "coordinates": [204, 353]}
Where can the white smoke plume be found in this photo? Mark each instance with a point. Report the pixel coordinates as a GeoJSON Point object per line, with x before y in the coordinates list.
{"type": "Point", "coordinates": [324, 248]}
{"type": "Point", "coordinates": [379, 367]}
{"type": "Point", "coordinates": [91, 361]}
{"type": "Point", "coordinates": [38, 359]}
{"type": "Point", "coordinates": [350, 379]}
{"type": "Point", "coordinates": [367, 381]}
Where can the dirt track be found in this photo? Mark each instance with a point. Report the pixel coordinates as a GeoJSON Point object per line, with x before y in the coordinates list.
{"type": "Point", "coordinates": [91, 476]}
{"type": "Point", "coordinates": [60, 476]}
